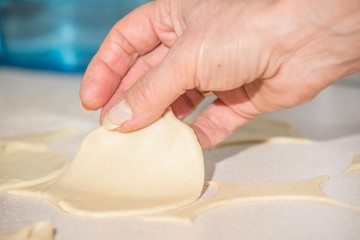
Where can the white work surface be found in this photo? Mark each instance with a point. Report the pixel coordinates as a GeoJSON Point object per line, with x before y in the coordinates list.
{"type": "Point", "coordinates": [34, 102]}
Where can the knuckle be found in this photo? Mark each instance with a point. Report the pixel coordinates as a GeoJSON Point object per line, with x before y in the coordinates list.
{"type": "Point", "coordinates": [142, 92]}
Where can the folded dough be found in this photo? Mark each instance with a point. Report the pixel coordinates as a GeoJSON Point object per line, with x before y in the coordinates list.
{"type": "Point", "coordinates": [154, 169]}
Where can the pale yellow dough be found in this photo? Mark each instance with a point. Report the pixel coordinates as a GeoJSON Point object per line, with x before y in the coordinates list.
{"type": "Point", "coordinates": [154, 169]}
{"type": "Point", "coordinates": [25, 164]}
{"type": "Point", "coordinates": [263, 130]}
{"type": "Point", "coordinates": [355, 165]}
{"type": "Point", "coordinates": [157, 170]}
{"type": "Point", "coordinates": [45, 137]}
{"type": "Point", "coordinates": [230, 193]}
{"type": "Point", "coordinates": [35, 231]}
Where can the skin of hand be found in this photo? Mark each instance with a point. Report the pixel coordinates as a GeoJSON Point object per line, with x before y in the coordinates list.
{"type": "Point", "coordinates": [254, 55]}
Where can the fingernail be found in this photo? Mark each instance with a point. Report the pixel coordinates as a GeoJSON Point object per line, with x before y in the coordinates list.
{"type": "Point", "coordinates": [117, 115]}
{"type": "Point", "coordinates": [107, 124]}
{"type": "Point", "coordinates": [85, 109]}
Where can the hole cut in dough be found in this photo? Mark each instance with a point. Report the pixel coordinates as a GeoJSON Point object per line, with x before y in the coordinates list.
{"type": "Point", "coordinates": [25, 164]}
{"type": "Point", "coordinates": [157, 168]}
{"type": "Point", "coordinates": [35, 231]}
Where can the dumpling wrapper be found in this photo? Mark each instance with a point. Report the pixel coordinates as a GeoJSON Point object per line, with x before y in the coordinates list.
{"type": "Point", "coordinates": [25, 164]}
{"type": "Point", "coordinates": [157, 168]}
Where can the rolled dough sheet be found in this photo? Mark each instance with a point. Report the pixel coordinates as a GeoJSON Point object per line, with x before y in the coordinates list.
{"type": "Point", "coordinates": [355, 165]}
{"type": "Point", "coordinates": [25, 164]}
{"type": "Point", "coordinates": [136, 174]}
{"type": "Point", "coordinates": [230, 193]}
{"type": "Point", "coordinates": [264, 130]}
{"type": "Point", "coordinates": [35, 231]}
{"type": "Point", "coordinates": [156, 168]}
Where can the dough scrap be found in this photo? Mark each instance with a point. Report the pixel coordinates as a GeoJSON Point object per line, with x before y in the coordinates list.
{"type": "Point", "coordinates": [231, 193]}
{"type": "Point", "coordinates": [355, 165]}
{"type": "Point", "coordinates": [35, 231]}
{"type": "Point", "coordinates": [24, 164]}
{"type": "Point", "coordinates": [154, 169]}
{"type": "Point", "coordinates": [263, 130]}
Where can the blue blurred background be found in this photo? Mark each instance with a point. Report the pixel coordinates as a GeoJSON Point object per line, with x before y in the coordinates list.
{"type": "Point", "coordinates": [59, 35]}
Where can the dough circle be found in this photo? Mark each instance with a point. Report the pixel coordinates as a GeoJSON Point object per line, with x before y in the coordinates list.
{"type": "Point", "coordinates": [154, 169]}
{"type": "Point", "coordinates": [24, 164]}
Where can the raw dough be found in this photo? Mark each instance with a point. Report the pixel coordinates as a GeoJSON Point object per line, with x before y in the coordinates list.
{"type": "Point", "coordinates": [355, 165]}
{"type": "Point", "coordinates": [35, 231]}
{"type": "Point", "coordinates": [156, 168]}
{"type": "Point", "coordinates": [263, 130]}
{"type": "Point", "coordinates": [44, 137]}
{"type": "Point", "coordinates": [146, 173]}
{"type": "Point", "coordinates": [231, 193]}
{"type": "Point", "coordinates": [25, 164]}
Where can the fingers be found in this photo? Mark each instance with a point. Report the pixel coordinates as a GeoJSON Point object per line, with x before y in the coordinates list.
{"type": "Point", "coordinates": [150, 96]}
{"type": "Point", "coordinates": [130, 38]}
{"type": "Point", "coordinates": [231, 110]}
{"type": "Point", "coordinates": [141, 67]}
{"type": "Point", "coordinates": [186, 103]}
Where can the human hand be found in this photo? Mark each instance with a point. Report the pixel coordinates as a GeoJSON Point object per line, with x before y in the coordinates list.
{"type": "Point", "coordinates": [255, 56]}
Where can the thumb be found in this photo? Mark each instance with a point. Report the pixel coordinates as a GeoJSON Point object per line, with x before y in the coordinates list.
{"type": "Point", "coordinates": [152, 94]}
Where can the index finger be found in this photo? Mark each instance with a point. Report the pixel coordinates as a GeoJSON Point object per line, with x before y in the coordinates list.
{"type": "Point", "coordinates": [129, 38]}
